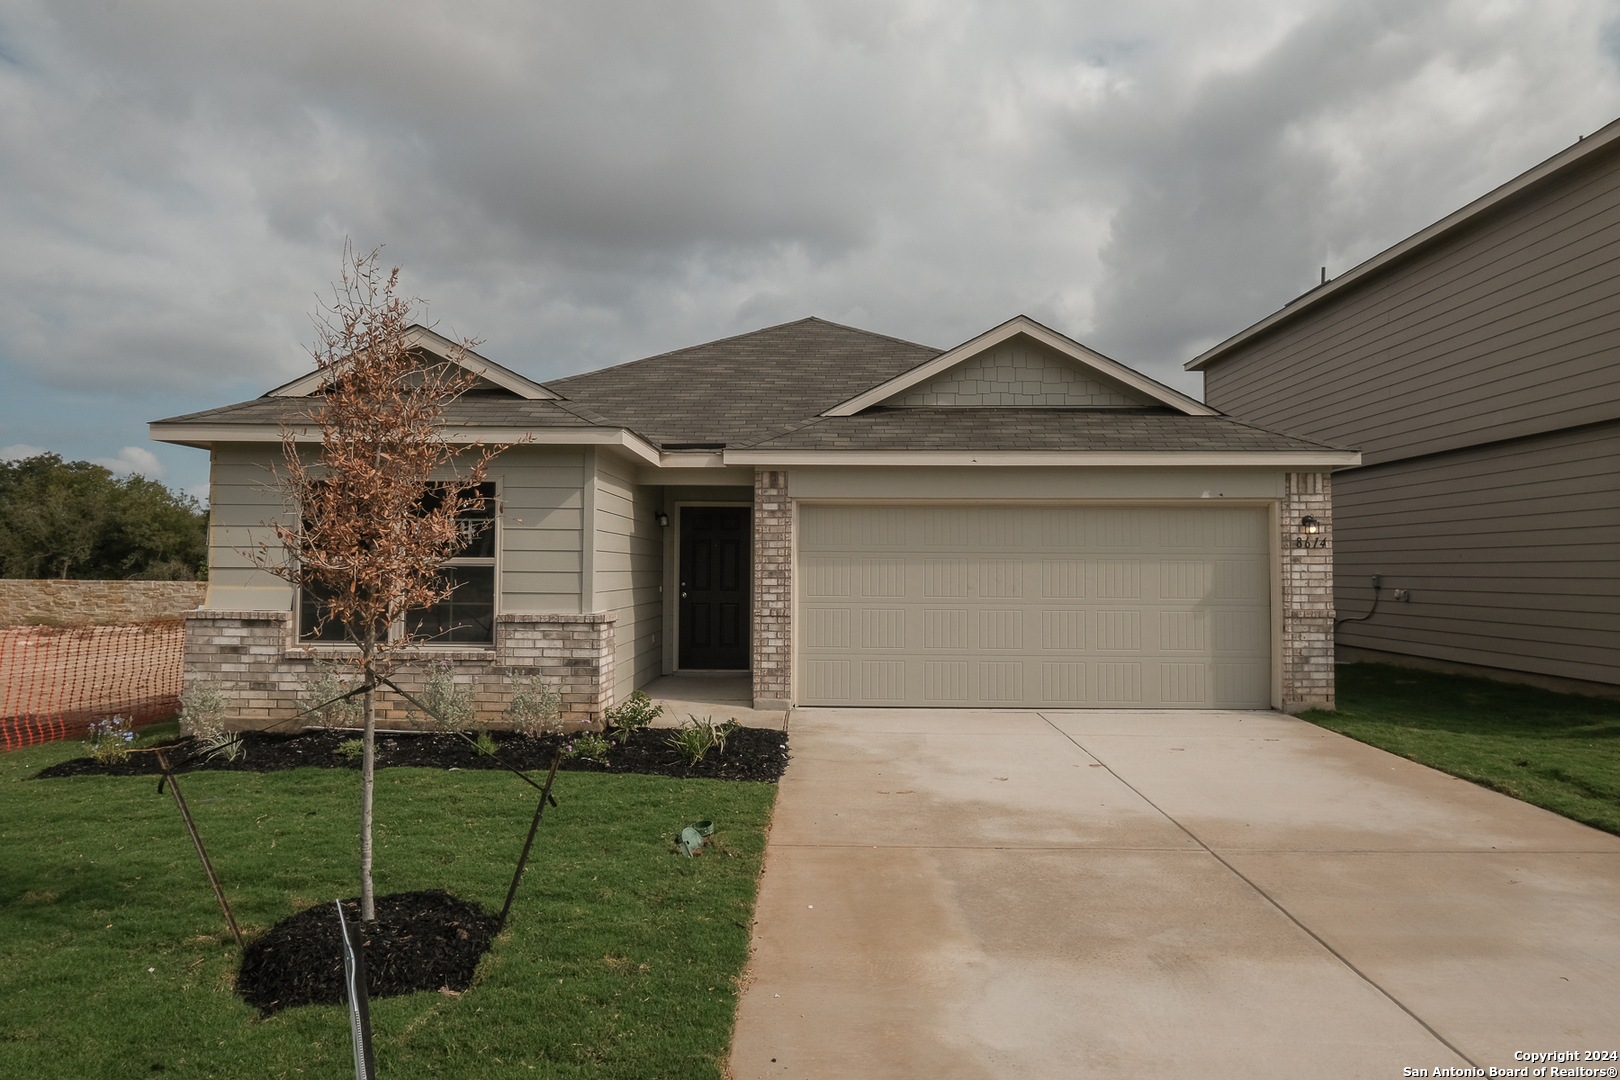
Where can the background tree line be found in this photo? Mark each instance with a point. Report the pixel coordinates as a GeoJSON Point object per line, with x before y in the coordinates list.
{"type": "Point", "coordinates": [72, 519]}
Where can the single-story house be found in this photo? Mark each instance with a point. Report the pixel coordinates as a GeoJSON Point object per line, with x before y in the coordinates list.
{"type": "Point", "coordinates": [1476, 365]}
{"type": "Point", "coordinates": [1018, 521]}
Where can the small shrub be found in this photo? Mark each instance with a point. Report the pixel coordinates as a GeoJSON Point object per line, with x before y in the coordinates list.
{"type": "Point", "coordinates": [108, 740]}
{"type": "Point", "coordinates": [634, 715]}
{"type": "Point", "coordinates": [351, 748]}
{"type": "Point", "coordinates": [321, 686]}
{"type": "Point", "coordinates": [535, 708]}
{"type": "Point", "coordinates": [695, 739]}
{"type": "Point", "coordinates": [202, 710]}
{"type": "Point", "coordinates": [590, 746]}
{"type": "Point", "coordinates": [486, 743]}
{"type": "Point", "coordinates": [449, 704]}
{"type": "Point", "coordinates": [226, 744]}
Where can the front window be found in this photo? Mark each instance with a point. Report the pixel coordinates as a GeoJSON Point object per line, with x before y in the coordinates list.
{"type": "Point", "coordinates": [466, 616]}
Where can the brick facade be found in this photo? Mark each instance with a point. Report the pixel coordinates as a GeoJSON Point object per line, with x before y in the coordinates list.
{"type": "Point", "coordinates": [1307, 593]}
{"type": "Point", "coordinates": [62, 602]}
{"type": "Point", "coordinates": [772, 658]}
{"type": "Point", "coordinates": [261, 670]}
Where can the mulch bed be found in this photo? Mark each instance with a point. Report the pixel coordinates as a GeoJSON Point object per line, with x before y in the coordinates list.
{"type": "Point", "coordinates": [419, 941]}
{"type": "Point", "coordinates": [757, 754]}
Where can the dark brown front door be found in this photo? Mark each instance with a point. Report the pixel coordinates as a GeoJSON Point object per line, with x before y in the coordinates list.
{"type": "Point", "coordinates": [714, 587]}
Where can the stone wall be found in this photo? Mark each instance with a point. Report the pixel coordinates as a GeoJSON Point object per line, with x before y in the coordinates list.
{"type": "Point", "coordinates": [251, 657]}
{"type": "Point", "coordinates": [59, 602]}
{"type": "Point", "coordinates": [772, 658]}
{"type": "Point", "coordinates": [1307, 593]}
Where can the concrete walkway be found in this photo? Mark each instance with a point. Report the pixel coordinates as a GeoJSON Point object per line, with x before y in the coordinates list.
{"type": "Point", "coordinates": [1215, 894]}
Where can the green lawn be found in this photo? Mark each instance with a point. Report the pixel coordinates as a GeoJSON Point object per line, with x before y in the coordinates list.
{"type": "Point", "coordinates": [1558, 751]}
{"type": "Point", "coordinates": [620, 959]}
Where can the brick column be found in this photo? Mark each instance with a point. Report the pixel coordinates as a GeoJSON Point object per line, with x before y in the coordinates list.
{"type": "Point", "coordinates": [772, 656]}
{"type": "Point", "coordinates": [241, 653]}
{"type": "Point", "coordinates": [1307, 594]}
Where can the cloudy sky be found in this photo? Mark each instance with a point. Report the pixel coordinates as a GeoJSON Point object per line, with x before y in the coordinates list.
{"type": "Point", "coordinates": [584, 183]}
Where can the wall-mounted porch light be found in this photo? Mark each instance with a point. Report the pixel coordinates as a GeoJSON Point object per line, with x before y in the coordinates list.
{"type": "Point", "coordinates": [663, 519]}
{"type": "Point", "coordinates": [1309, 525]}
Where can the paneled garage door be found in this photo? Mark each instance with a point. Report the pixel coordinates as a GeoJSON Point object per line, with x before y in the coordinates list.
{"type": "Point", "coordinates": [1151, 607]}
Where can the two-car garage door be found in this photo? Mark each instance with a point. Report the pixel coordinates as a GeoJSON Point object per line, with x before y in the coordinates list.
{"type": "Point", "coordinates": [1108, 606]}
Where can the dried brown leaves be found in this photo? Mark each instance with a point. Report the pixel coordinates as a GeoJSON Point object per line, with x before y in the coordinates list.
{"type": "Point", "coordinates": [371, 543]}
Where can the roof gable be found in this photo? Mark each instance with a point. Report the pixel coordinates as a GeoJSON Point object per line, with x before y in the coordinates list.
{"type": "Point", "coordinates": [1018, 372]}
{"type": "Point", "coordinates": [490, 375]}
{"type": "Point", "coordinates": [1021, 364]}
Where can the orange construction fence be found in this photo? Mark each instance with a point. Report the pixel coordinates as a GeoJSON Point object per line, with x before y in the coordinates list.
{"type": "Point", "coordinates": [56, 681]}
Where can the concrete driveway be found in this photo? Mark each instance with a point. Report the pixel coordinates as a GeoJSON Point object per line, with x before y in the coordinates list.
{"type": "Point", "coordinates": [1127, 894]}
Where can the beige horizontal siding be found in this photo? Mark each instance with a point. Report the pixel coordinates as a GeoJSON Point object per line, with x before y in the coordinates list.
{"type": "Point", "coordinates": [628, 570]}
{"type": "Point", "coordinates": [1511, 552]}
{"type": "Point", "coordinates": [1503, 331]}
{"type": "Point", "coordinates": [541, 528]}
{"type": "Point", "coordinates": [243, 498]}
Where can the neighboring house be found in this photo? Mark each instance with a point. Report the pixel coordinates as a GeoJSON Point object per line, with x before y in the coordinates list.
{"type": "Point", "coordinates": [1476, 365]}
{"type": "Point", "coordinates": [858, 520]}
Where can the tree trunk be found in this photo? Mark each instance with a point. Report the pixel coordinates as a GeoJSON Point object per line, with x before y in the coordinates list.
{"type": "Point", "coordinates": [368, 772]}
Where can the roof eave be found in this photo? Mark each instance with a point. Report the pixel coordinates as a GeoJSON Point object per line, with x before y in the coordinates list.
{"type": "Point", "coordinates": [1567, 158]}
{"type": "Point", "coordinates": [1314, 460]}
{"type": "Point", "coordinates": [205, 436]}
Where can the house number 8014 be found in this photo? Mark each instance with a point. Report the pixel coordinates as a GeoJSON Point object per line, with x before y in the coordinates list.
{"type": "Point", "coordinates": [1310, 541]}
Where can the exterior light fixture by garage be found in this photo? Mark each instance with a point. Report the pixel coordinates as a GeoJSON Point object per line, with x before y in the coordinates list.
{"type": "Point", "coordinates": [1309, 525]}
{"type": "Point", "coordinates": [662, 519]}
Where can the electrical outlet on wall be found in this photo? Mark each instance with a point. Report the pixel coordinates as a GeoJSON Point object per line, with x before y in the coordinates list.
{"type": "Point", "coordinates": [1403, 594]}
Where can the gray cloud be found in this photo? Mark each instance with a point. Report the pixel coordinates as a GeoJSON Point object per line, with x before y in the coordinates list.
{"type": "Point", "coordinates": [584, 183]}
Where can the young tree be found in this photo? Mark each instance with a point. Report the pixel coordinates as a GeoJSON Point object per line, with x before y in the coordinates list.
{"type": "Point", "coordinates": [375, 515]}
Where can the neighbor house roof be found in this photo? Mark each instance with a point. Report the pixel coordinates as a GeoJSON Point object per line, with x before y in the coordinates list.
{"type": "Point", "coordinates": [1604, 140]}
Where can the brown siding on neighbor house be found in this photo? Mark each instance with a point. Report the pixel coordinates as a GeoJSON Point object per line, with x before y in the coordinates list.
{"type": "Point", "coordinates": [1507, 328]}
{"type": "Point", "coordinates": [1511, 552]}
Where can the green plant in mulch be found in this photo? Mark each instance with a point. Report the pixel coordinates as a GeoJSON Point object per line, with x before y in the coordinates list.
{"type": "Point", "coordinates": [486, 743]}
{"type": "Point", "coordinates": [536, 705]}
{"type": "Point", "coordinates": [448, 704]}
{"type": "Point", "coordinates": [110, 739]}
{"type": "Point", "coordinates": [634, 715]}
{"type": "Point", "coordinates": [589, 745]}
{"type": "Point", "coordinates": [696, 738]}
{"type": "Point", "coordinates": [202, 709]}
{"type": "Point", "coordinates": [226, 744]}
{"type": "Point", "coordinates": [1558, 751]}
{"type": "Point", "coordinates": [321, 687]}
{"type": "Point", "coordinates": [351, 748]}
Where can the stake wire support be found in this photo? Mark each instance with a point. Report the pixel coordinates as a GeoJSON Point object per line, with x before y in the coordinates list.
{"type": "Point", "coordinates": [202, 853]}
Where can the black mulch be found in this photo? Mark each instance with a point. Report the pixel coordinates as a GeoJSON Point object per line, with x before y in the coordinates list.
{"type": "Point", "coordinates": [419, 941]}
{"type": "Point", "coordinates": [758, 754]}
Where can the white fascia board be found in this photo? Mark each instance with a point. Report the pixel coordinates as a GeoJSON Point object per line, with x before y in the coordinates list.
{"type": "Point", "coordinates": [203, 436]}
{"type": "Point", "coordinates": [1569, 156]}
{"type": "Point", "coordinates": [1023, 324]}
{"type": "Point", "coordinates": [1301, 459]}
{"type": "Point", "coordinates": [420, 337]}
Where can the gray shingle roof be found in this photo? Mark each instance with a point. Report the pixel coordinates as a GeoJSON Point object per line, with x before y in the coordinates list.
{"type": "Point", "coordinates": [767, 389]}
{"type": "Point", "coordinates": [990, 428]}
{"type": "Point", "coordinates": [742, 388]}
